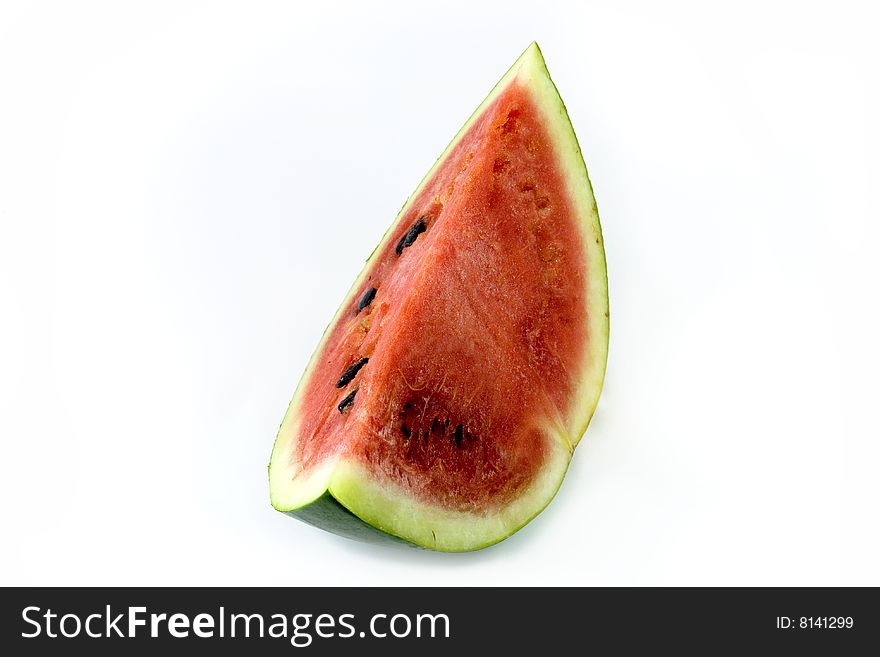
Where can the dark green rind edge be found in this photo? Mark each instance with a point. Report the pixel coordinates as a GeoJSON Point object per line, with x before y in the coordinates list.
{"type": "Point", "coordinates": [328, 514]}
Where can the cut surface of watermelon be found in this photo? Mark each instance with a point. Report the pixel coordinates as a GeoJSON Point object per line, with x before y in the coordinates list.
{"type": "Point", "coordinates": [445, 399]}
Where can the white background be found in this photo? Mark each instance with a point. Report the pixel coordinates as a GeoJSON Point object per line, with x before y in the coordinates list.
{"type": "Point", "coordinates": [187, 191]}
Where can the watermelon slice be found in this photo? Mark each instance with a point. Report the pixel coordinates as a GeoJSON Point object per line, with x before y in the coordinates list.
{"type": "Point", "coordinates": [444, 401]}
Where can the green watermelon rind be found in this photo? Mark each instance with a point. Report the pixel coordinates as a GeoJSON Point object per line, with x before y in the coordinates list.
{"type": "Point", "coordinates": [344, 498]}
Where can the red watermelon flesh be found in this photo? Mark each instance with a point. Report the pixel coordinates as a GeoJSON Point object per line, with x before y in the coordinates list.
{"type": "Point", "coordinates": [448, 394]}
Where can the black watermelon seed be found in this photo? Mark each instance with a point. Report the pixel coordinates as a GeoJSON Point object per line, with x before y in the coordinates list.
{"type": "Point", "coordinates": [405, 430]}
{"type": "Point", "coordinates": [435, 425]}
{"type": "Point", "coordinates": [366, 299]}
{"type": "Point", "coordinates": [350, 372]}
{"type": "Point", "coordinates": [459, 430]}
{"type": "Point", "coordinates": [347, 401]}
{"type": "Point", "coordinates": [411, 235]}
